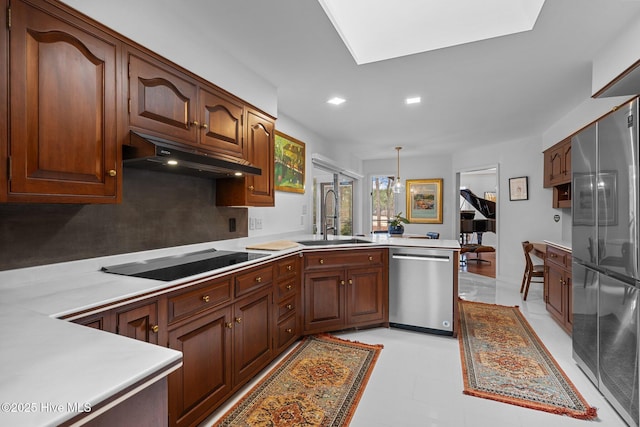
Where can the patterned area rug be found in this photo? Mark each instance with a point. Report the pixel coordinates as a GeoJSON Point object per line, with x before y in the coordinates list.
{"type": "Point", "coordinates": [503, 359]}
{"type": "Point", "coordinates": [318, 384]}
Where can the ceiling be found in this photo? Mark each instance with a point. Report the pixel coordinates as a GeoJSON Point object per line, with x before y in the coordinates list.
{"type": "Point", "coordinates": [496, 90]}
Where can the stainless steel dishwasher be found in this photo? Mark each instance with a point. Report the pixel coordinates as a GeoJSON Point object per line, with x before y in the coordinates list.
{"type": "Point", "coordinates": [421, 289]}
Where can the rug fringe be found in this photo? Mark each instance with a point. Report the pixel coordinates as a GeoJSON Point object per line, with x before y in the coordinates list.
{"type": "Point", "coordinates": [328, 336]}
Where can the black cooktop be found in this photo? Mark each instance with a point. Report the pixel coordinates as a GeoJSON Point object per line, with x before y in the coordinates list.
{"type": "Point", "coordinates": [179, 266]}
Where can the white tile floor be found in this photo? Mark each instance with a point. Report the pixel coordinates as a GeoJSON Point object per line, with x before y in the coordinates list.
{"type": "Point", "coordinates": [418, 378]}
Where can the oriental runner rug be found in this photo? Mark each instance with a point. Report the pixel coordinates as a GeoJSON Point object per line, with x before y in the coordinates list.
{"type": "Point", "coordinates": [503, 359]}
{"type": "Point", "coordinates": [318, 384]}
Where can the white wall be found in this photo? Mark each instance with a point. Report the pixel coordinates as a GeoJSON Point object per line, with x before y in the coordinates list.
{"type": "Point", "coordinates": [616, 56]}
{"type": "Point", "coordinates": [424, 167]}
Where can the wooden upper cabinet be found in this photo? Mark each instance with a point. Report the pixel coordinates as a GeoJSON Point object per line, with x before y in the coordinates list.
{"type": "Point", "coordinates": [557, 164]}
{"type": "Point", "coordinates": [63, 137]}
{"type": "Point", "coordinates": [161, 101]}
{"type": "Point", "coordinates": [170, 104]}
{"type": "Point", "coordinates": [222, 127]}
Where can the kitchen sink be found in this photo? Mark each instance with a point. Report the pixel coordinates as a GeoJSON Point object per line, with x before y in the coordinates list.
{"type": "Point", "coordinates": [334, 242]}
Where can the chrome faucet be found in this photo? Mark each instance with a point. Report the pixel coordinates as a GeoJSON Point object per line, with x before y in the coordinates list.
{"type": "Point", "coordinates": [327, 217]}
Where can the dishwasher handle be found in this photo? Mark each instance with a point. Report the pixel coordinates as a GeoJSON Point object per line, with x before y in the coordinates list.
{"type": "Point", "coordinates": [417, 257]}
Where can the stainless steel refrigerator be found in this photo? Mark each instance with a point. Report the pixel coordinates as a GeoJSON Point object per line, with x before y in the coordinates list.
{"type": "Point", "coordinates": [606, 284]}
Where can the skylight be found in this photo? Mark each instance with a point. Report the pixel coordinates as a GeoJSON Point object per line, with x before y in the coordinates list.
{"type": "Point", "coordinates": [375, 30]}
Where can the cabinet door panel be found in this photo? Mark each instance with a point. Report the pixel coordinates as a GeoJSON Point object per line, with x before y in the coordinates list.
{"type": "Point", "coordinates": [252, 335]}
{"type": "Point", "coordinates": [205, 376]}
{"type": "Point", "coordinates": [364, 295]}
{"type": "Point", "coordinates": [161, 101]}
{"type": "Point", "coordinates": [222, 129]}
{"type": "Point", "coordinates": [323, 295]}
{"type": "Point", "coordinates": [139, 323]}
{"type": "Point", "coordinates": [64, 104]}
{"type": "Point", "coordinates": [556, 293]}
{"type": "Point", "coordinates": [260, 148]}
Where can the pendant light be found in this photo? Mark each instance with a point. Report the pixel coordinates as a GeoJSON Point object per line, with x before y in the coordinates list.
{"type": "Point", "coordinates": [397, 186]}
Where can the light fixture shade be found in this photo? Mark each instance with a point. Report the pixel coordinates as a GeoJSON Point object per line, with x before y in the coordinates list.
{"type": "Point", "coordinates": [397, 185]}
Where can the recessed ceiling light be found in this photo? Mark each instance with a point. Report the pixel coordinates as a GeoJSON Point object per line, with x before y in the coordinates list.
{"type": "Point", "coordinates": [172, 162]}
{"type": "Point", "coordinates": [413, 100]}
{"type": "Point", "coordinates": [237, 173]}
{"type": "Point", "coordinates": [336, 100]}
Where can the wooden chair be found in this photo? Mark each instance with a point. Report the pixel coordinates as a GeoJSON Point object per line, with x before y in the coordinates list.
{"type": "Point", "coordinates": [531, 270]}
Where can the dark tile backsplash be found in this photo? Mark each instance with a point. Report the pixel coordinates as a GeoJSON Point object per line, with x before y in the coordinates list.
{"type": "Point", "coordinates": [158, 210]}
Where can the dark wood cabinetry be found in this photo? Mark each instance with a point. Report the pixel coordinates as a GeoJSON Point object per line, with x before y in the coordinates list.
{"type": "Point", "coordinates": [63, 107]}
{"type": "Point", "coordinates": [139, 323]}
{"type": "Point", "coordinates": [558, 283]}
{"type": "Point", "coordinates": [345, 289]}
{"type": "Point", "coordinates": [287, 295]}
{"type": "Point", "coordinates": [253, 190]}
{"type": "Point", "coordinates": [557, 173]}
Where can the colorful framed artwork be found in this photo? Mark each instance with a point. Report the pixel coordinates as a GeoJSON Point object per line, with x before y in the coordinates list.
{"type": "Point", "coordinates": [519, 188]}
{"type": "Point", "coordinates": [289, 166]}
{"type": "Point", "coordinates": [424, 201]}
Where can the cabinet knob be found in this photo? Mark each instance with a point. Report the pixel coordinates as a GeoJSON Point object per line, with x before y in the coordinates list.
{"type": "Point", "coordinates": [258, 279]}
{"type": "Point", "coordinates": [205, 298]}
{"type": "Point", "coordinates": [342, 282]}
{"type": "Point", "coordinates": [288, 330]}
{"type": "Point", "coordinates": [112, 172]}
{"type": "Point", "coordinates": [251, 187]}
{"type": "Point", "coordinates": [238, 320]}
{"type": "Point", "coordinates": [229, 325]}
{"type": "Point", "coordinates": [321, 261]}
{"type": "Point", "coordinates": [350, 281]}
{"type": "Point", "coordinates": [289, 306]}
{"type": "Point", "coordinates": [370, 258]}
{"type": "Point", "coordinates": [205, 126]}
{"type": "Point", "coordinates": [155, 329]}
{"type": "Point", "coordinates": [289, 267]}
{"type": "Point", "coordinates": [195, 123]}
{"type": "Point", "coordinates": [289, 287]}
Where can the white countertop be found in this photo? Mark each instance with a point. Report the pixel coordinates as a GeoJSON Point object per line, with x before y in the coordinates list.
{"type": "Point", "coordinates": [46, 362]}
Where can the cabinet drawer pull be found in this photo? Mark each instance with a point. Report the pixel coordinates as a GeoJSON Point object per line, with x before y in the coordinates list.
{"type": "Point", "coordinates": [289, 330]}
{"type": "Point", "coordinates": [289, 306]}
{"type": "Point", "coordinates": [238, 320]}
{"type": "Point", "coordinates": [206, 298]}
{"type": "Point", "coordinates": [289, 287]}
{"type": "Point", "coordinates": [229, 325]}
{"type": "Point", "coordinates": [321, 261]}
{"type": "Point", "coordinates": [155, 329]}
{"type": "Point", "coordinates": [258, 279]}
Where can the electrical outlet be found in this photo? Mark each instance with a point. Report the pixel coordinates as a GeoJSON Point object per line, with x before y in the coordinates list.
{"type": "Point", "coordinates": [252, 223]}
{"type": "Point", "coordinates": [258, 223]}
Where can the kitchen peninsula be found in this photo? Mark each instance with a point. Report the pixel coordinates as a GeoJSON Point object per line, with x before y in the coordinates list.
{"type": "Point", "coordinates": [60, 362]}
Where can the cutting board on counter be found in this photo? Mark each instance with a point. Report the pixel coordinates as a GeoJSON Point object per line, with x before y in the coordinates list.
{"type": "Point", "coordinates": [277, 245]}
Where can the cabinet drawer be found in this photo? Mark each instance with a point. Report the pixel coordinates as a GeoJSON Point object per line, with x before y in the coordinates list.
{"type": "Point", "coordinates": [286, 307]}
{"type": "Point", "coordinates": [558, 256]}
{"type": "Point", "coordinates": [287, 287]}
{"type": "Point", "coordinates": [287, 331]}
{"type": "Point", "coordinates": [286, 267]}
{"type": "Point", "coordinates": [253, 280]}
{"type": "Point", "coordinates": [202, 298]}
{"type": "Point", "coordinates": [343, 258]}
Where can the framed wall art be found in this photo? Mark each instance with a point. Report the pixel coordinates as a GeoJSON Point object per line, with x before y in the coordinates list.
{"type": "Point", "coordinates": [289, 166]}
{"type": "Point", "coordinates": [519, 188]}
{"type": "Point", "coordinates": [424, 201]}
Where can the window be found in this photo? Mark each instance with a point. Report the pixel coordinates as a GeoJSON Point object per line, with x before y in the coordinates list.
{"type": "Point", "coordinates": [382, 202]}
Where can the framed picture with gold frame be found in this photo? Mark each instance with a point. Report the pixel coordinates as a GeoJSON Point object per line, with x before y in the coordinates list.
{"type": "Point", "coordinates": [424, 201]}
{"type": "Point", "coordinates": [289, 165]}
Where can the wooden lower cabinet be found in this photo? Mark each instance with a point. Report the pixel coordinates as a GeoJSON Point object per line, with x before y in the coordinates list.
{"type": "Point", "coordinates": [345, 290]}
{"type": "Point", "coordinates": [557, 285]}
{"type": "Point", "coordinates": [206, 374]}
{"type": "Point", "coordinates": [139, 323]}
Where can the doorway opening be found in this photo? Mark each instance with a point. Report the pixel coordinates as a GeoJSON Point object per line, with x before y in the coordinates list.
{"type": "Point", "coordinates": [478, 225]}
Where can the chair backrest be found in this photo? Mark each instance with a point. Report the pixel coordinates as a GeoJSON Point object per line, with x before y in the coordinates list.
{"type": "Point", "coordinates": [527, 247]}
{"type": "Point", "coordinates": [433, 235]}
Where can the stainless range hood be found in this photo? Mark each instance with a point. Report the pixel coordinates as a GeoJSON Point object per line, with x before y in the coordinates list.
{"type": "Point", "coordinates": [153, 153]}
